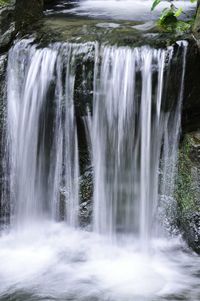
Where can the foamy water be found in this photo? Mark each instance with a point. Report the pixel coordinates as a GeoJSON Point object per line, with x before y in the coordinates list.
{"type": "Point", "coordinates": [51, 261]}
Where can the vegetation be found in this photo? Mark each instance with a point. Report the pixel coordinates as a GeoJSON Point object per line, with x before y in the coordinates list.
{"type": "Point", "coordinates": [169, 18]}
{"type": "Point", "coordinates": [3, 2]}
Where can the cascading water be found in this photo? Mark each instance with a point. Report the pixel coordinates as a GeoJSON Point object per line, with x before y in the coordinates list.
{"type": "Point", "coordinates": [125, 136]}
{"type": "Point", "coordinates": [127, 132]}
{"type": "Point", "coordinates": [128, 129]}
{"type": "Point", "coordinates": [42, 137]}
{"type": "Point", "coordinates": [134, 135]}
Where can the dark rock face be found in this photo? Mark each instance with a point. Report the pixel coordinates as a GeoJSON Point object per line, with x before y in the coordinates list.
{"type": "Point", "coordinates": [27, 11]}
{"type": "Point", "coordinates": [4, 205]}
{"type": "Point", "coordinates": [191, 101]}
{"type": "Point", "coordinates": [86, 194]}
{"type": "Point", "coordinates": [190, 225]}
{"type": "Point", "coordinates": [16, 14]}
{"type": "Point", "coordinates": [7, 24]}
{"type": "Point", "coordinates": [49, 1]}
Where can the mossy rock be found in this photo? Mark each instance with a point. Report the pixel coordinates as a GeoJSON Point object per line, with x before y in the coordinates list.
{"type": "Point", "coordinates": [188, 190]}
{"type": "Point", "coordinates": [5, 3]}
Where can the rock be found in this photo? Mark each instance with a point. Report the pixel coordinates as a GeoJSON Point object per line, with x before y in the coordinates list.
{"type": "Point", "coordinates": [188, 190]}
{"type": "Point", "coordinates": [191, 100]}
{"type": "Point", "coordinates": [4, 204]}
{"type": "Point", "coordinates": [27, 11]}
{"type": "Point", "coordinates": [86, 193]}
{"type": "Point", "coordinates": [191, 228]}
{"type": "Point", "coordinates": [15, 15]}
{"type": "Point", "coordinates": [7, 24]}
{"type": "Point", "coordinates": [196, 27]}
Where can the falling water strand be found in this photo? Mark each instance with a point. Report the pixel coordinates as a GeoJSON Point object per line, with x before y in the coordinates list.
{"type": "Point", "coordinates": [171, 141]}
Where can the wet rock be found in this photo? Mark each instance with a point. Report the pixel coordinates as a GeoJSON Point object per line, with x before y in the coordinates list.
{"type": "Point", "coordinates": [188, 190]}
{"type": "Point", "coordinates": [15, 15]}
{"type": "Point", "coordinates": [191, 100]}
{"type": "Point", "coordinates": [190, 225]}
{"type": "Point", "coordinates": [4, 204]}
{"type": "Point", "coordinates": [86, 193]}
{"type": "Point", "coordinates": [7, 24]}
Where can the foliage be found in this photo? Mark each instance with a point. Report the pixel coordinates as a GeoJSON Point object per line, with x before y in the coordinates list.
{"type": "Point", "coordinates": [3, 2]}
{"type": "Point", "coordinates": [168, 19]}
{"type": "Point", "coordinates": [155, 3]}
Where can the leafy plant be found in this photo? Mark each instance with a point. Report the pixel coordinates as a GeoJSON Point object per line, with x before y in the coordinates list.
{"type": "Point", "coordinates": [155, 3]}
{"type": "Point", "coordinates": [3, 2]}
{"type": "Point", "coordinates": [168, 19]}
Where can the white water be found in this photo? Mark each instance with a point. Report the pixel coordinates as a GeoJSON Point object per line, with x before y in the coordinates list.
{"type": "Point", "coordinates": [53, 262]}
{"type": "Point", "coordinates": [42, 259]}
{"type": "Point", "coordinates": [127, 130]}
{"type": "Point", "coordinates": [137, 10]}
{"type": "Point", "coordinates": [42, 138]}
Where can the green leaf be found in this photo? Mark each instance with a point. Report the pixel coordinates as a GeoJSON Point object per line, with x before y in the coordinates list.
{"type": "Point", "coordinates": [155, 3]}
{"type": "Point", "coordinates": [167, 12]}
{"type": "Point", "coordinates": [178, 12]}
{"type": "Point", "coordinates": [193, 1]}
{"type": "Point", "coordinates": [167, 18]}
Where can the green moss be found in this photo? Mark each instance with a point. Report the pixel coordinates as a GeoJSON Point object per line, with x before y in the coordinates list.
{"type": "Point", "coordinates": [186, 188]}
{"type": "Point", "coordinates": [4, 2]}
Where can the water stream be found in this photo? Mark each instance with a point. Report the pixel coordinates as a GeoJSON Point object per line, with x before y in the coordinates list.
{"type": "Point", "coordinates": [127, 252]}
{"type": "Point", "coordinates": [136, 10]}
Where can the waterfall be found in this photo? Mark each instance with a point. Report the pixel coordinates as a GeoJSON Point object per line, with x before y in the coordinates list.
{"type": "Point", "coordinates": [130, 129]}
{"type": "Point", "coordinates": [121, 108]}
